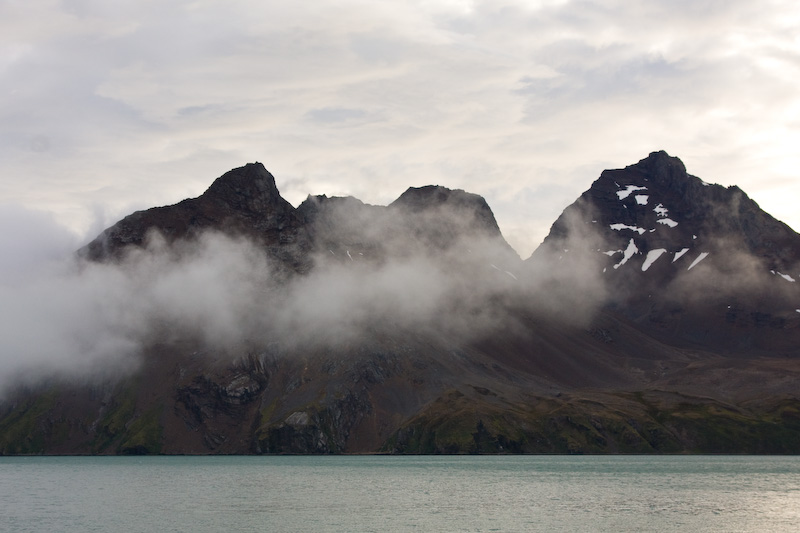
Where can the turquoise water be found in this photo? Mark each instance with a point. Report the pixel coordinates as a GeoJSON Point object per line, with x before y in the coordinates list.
{"type": "Point", "coordinates": [388, 493]}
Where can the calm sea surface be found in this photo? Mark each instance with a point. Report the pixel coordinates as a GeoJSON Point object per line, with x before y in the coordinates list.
{"type": "Point", "coordinates": [420, 493]}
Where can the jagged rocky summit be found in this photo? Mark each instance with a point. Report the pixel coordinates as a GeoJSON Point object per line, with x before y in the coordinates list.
{"type": "Point", "coordinates": [660, 315]}
{"type": "Point", "coordinates": [654, 210]}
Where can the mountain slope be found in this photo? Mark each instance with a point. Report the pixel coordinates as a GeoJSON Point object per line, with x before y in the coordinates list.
{"type": "Point", "coordinates": [415, 328]}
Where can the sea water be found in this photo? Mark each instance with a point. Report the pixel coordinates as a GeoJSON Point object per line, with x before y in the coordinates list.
{"type": "Point", "coordinates": [400, 493]}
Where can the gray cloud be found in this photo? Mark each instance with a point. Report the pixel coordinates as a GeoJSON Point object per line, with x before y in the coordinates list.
{"type": "Point", "coordinates": [30, 240]}
{"type": "Point", "coordinates": [334, 115]}
{"type": "Point", "coordinates": [143, 105]}
{"type": "Point", "coordinates": [76, 320]}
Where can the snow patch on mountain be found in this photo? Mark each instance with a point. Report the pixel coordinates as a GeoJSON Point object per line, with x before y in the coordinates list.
{"type": "Point", "coordinates": [660, 210]}
{"type": "Point", "coordinates": [641, 199]}
{"type": "Point", "coordinates": [628, 253]}
{"type": "Point", "coordinates": [652, 255]}
{"type": "Point", "coordinates": [620, 227]}
{"type": "Point", "coordinates": [698, 259]}
{"type": "Point", "coordinates": [512, 276]}
{"type": "Point", "coordinates": [668, 221]}
{"type": "Point", "coordinates": [678, 255]}
{"type": "Point", "coordinates": [628, 190]}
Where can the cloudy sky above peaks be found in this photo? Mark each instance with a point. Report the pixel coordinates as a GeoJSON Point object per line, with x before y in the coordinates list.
{"type": "Point", "coordinates": [112, 106]}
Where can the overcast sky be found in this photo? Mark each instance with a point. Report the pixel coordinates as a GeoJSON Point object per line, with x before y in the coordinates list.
{"type": "Point", "coordinates": [112, 106]}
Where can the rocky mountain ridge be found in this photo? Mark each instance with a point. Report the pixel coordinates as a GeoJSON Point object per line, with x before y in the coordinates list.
{"type": "Point", "coordinates": [660, 315]}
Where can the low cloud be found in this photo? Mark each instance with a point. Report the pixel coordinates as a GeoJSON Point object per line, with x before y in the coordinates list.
{"type": "Point", "coordinates": [66, 317]}
{"type": "Point", "coordinates": [74, 319]}
{"type": "Point", "coordinates": [566, 272]}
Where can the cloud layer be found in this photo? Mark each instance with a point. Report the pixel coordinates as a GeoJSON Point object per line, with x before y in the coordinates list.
{"type": "Point", "coordinates": [60, 316]}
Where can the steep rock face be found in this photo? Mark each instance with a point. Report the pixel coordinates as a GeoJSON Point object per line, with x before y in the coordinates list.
{"type": "Point", "coordinates": [244, 201]}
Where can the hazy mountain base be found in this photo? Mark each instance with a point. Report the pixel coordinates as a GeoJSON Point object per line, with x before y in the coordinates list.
{"type": "Point", "coordinates": [627, 422]}
{"type": "Point", "coordinates": [411, 395]}
{"type": "Point", "coordinates": [638, 422]}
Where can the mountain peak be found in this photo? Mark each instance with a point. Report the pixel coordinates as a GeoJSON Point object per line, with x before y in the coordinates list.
{"type": "Point", "coordinates": [247, 189]}
{"type": "Point", "coordinates": [661, 161]}
{"type": "Point", "coordinates": [445, 203]}
{"type": "Point", "coordinates": [656, 237]}
{"type": "Point", "coordinates": [419, 198]}
{"type": "Point", "coordinates": [659, 169]}
{"type": "Point", "coordinates": [243, 201]}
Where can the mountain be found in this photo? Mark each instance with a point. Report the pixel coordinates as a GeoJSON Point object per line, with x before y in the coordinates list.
{"type": "Point", "coordinates": [243, 202]}
{"type": "Point", "coordinates": [660, 315]}
{"type": "Point", "coordinates": [687, 260]}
